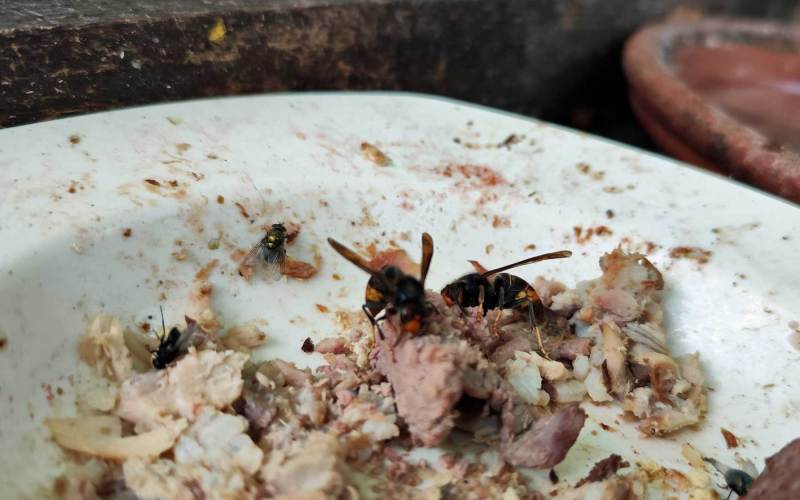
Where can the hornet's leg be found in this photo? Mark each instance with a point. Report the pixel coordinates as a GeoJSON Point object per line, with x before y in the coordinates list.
{"type": "Point", "coordinates": [481, 298]}
{"type": "Point", "coordinates": [459, 300]}
{"type": "Point", "coordinates": [536, 331]}
{"type": "Point", "coordinates": [501, 299]}
{"type": "Point", "coordinates": [373, 322]}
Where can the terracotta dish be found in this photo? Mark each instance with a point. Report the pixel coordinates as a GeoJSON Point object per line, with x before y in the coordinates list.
{"type": "Point", "coordinates": [724, 95]}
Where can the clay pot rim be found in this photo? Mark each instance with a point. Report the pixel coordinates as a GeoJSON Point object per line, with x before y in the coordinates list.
{"type": "Point", "coordinates": [744, 153]}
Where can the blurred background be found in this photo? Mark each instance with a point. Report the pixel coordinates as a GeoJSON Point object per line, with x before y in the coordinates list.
{"type": "Point", "coordinates": [559, 60]}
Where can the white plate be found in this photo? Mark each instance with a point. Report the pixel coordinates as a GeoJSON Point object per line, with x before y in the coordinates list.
{"type": "Point", "coordinates": [63, 257]}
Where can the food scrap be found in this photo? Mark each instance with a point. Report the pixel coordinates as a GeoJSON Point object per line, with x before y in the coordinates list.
{"type": "Point", "coordinates": [731, 441]}
{"type": "Point", "coordinates": [374, 154]}
{"type": "Point", "coordinates": [298, 269]}
{"type": "Point", "coordinates": [584, 236]}
{"type": "Point", "coordinates": [697, 254]}
{"type": "Point", "coordinates": [127, 232]}
{"type": "Point", "coordinates": [492, 357]}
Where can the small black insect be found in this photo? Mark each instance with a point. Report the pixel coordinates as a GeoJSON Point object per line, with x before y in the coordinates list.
{"type": "Point", "coordinates": [497, 289]}
{"type": "Point", "coordinates": [737, 480]}
{"type": "Point", "coordinates": [271, 250]}
{"type": "Point", "coordinates": [393, 291]}
{"type": "Point", "coordinates": [172, 345]}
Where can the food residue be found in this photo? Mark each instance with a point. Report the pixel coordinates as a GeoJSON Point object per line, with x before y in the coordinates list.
{"type": "Point", "coordinates": [375, 155]}
{"type": "Point", "coordinates": [126, 233]}
{"type": "Point", "coordinates": [498, 221]}
{"type": "Point", "coordinates": [220, 199]}
{"type": "Point", "coordinates": [74, 139]}
{"type": "Point", "coordinates": [153, 182]}
{"type": "Point", "coordinates": [610, 213]}
{"type": "Point", "coordinates": [182, 147]}
{"type": "Point", "coordinates": [582, 236]}
{"type": "Point", "coordinates": [336, 276]}
{"type": "Point", "coordinates": [205, 271]}
{"type": "Point", "coordinates": [694, 253]}
{"type": "Point", "coordinates": [731, 441]}
{"type": "Point", "coordinates": [475, 176]}
{"type": "Point", "coordinates": [604, 469]}
{"type": "Point", "coordinates": [242, 210]}
{"type": "Point", "coordinates": [321, 308]}
{"type": "Point", "coordinates": [180, 255]}
{"type": "Point", "coordinates": [217, 423]}
{"type": "Point", "coordinates": [298, 269]}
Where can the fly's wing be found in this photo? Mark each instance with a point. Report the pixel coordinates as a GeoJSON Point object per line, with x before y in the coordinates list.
{"type": "Point", "coordinates": [273, 263]}
{"type": "Point", "coordinates": [185, 340]}
{"type": "Point", "coordinates": [252, 256]}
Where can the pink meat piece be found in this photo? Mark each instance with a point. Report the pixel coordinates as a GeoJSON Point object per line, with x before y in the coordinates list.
{"type": "Point", "coordinates": [620, 305]}
{"type": "Point", "coordinates": [547, 289]}
{"type": "Point", "coordinates": [519, 340]}
{"type": "Point", "coordinates": [291, 374]}
{"type": "Point", "coordinates": [569, 349]}
{"type": "Point", "coordinates": [332, 345]}
{"type": "Point", "coordinates": [780, 479]}
{"type": "Point", "coordinates": [547, 441]}
{"type": "Point", "coordinates": [426, 373]}
{"type": "Point", "coordinates": [344, 397]}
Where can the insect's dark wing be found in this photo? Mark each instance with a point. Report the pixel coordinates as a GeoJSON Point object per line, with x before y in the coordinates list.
{"type": "Point", "coordinates": [427, 255]}
{"type": "Point", "coordinates": [185, 340]}
{"type": "Point", "coordinates": [530, 260]}
{"type": "Point", "coordinates": [360, 262]}
{"type": "Point", "coordinates": [274, 260]}
{"type": "Point", "coordinates": [253, 255]}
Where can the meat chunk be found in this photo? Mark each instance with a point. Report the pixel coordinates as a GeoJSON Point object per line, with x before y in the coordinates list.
{"type": "Point", "coordinates": [568, 349]}
{"type": "Point", "coordinates": [313, 467]}
{"type": "Point", "coordinates": [201, 378]}
{"type": "Point", "coordinates": [332, 345]}
{"type": "Point", "coordinates": [214, 458]}
{"type": "Point", "coordinates": [426, 375]}
{"type": "Point", "coordinates": [547, 442]}
{"type": "Point", "coordinates": [615, 353]}
{"type": "Point", "coordinates": [780, 479]}
{"type": "Point", "coordinates": [103, 347]}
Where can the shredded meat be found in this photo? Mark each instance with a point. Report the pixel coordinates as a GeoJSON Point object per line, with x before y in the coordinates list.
{"type": "Point", "coordinates": [547, 442]}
